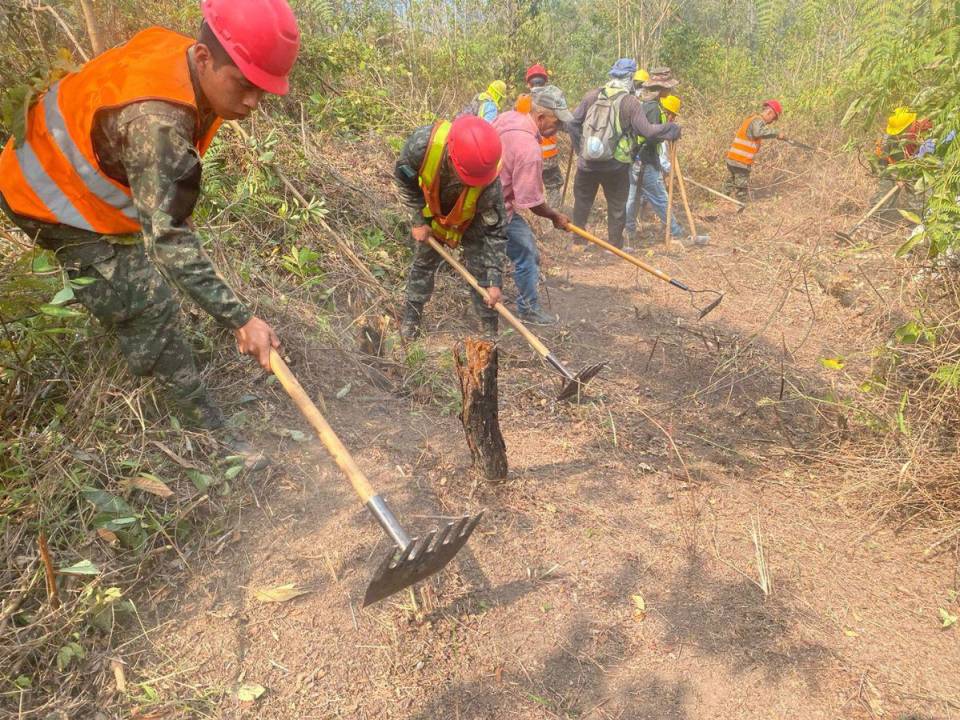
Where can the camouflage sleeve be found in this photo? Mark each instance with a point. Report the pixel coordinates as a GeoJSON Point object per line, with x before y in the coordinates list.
{"type": "Point", "coordinates": [490, 228]}
{"type": "Point", "coordinates": [759, 130]}
{"type": "Point", "coordinates": [407, 172]}
{"type": "Point", "coordinates": [163, 169]}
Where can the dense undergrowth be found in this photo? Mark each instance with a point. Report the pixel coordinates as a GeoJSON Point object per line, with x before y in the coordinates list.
{"type": "Point", "coordinates": [92, 462]}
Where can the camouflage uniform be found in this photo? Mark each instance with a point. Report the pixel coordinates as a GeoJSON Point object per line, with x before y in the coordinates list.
{"type": "Point", "coordinates": [738, 181]}
{"type": "Point", "coordinates": [483, 243]}
{"type": "Point", "coordinates": [149, 147]}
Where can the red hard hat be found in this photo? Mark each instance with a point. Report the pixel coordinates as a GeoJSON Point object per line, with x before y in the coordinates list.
{"type": "Point", "coordinates": [775, 106]}
{"type": "Point", "coordinates": [535, 70]}
{"type": "Point", "coordinates": [260, 36]}
{"type": "Point", "coordinates": [474, 149]}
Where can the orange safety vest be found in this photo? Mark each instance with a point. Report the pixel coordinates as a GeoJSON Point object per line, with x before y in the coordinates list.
{"type": "Point", "coordinates": [744, 148]}
{"type": "Point", "coordinates": [548, 145]}
{"type": "Point", "coordinates": [55, 175]}
{"type": "Point", "coordinates": [448, 228]}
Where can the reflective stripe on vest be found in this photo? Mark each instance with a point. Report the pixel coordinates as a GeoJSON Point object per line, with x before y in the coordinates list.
{"type": "Point", "coordinates": [744, 148]}
{"type": "Point", "coordinates": [548, 147]}
{"type": "Point", "coordinates": [663, 119]}
{"type": "Point", "coordinates": [55, 175]}
{"type": "Point", "coordinates": [448, 228]}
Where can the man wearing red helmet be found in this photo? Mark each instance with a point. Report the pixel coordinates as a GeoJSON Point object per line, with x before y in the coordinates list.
{"type": "Point", "coordinates": [746, 144]}
{"type": "Point", "coordinates": [447, 175]}
{"type": "Point", "coordinates": [108, 172]}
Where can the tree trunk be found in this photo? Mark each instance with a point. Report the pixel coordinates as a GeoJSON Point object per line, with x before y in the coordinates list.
{"type": "Point", "coordinates": [477, 369]}
{"type": "Point", "coordinates": [93, 31]}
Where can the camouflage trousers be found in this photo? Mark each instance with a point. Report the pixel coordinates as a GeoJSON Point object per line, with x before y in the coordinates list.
{"type": "Point", "coordinates": [130, 298]}
{"type": "Point", "coordinates": [737, 184]}
{"type": "Point", "coordinates": [553, 181]}
{"type": "Point", "coordinates": [423, 273]}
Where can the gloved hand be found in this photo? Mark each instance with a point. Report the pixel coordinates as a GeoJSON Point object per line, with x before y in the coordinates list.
{"type": "Point", "coordinates": [673, 133]}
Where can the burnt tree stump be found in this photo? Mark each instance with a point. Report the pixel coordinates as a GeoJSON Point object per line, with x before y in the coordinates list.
{"type": "Point", "coordinates": [477, 369]}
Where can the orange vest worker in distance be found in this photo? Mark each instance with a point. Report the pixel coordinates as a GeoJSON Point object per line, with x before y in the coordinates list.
{"type": "Point", "coordinates": [746, 144]}
{"type": "Point", "coordinates": [537, 77]}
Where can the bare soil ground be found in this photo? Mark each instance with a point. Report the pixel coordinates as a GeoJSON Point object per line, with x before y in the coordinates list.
{"type": "Point", "coordinates": [695, 437]}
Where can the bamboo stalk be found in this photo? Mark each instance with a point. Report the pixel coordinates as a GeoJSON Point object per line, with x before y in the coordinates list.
{"type": "Point", "coordinates": [93, 30]}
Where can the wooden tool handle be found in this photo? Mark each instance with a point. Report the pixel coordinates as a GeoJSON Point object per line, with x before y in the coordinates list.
{"type": "Point", "coordinates": [673, 172]}
{"type": "Point", "coordinates": [327, 436]}
{"type": "Point", "coordinates": [617, 251]}
{"type": "Point", "coordinates": [714, 192]}
{"type": "Point", "coordinates": [683, 192]}
{"type": "Point", "coordinates": [876, 207]}
{"type": "Point", "coordinates": [515, 323]}
{"type": "Point", "coordinates": [566, 179]}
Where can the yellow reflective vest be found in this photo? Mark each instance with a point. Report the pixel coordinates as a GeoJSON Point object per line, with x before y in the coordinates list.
{"type": "Point", "coordinates": [449, 228]}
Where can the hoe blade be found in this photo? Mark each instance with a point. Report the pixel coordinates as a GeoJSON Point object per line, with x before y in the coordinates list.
{"type": "Point", "coordinates": [420, 559]}
{"type": "Point", "coordinates": [710, 308]}
{"type": "Point", "coordinates": [573, 387]}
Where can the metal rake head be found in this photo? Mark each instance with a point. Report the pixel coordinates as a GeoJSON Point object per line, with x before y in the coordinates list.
{"type": "Point", "coordinates": [421, 558]}
{"type": "Point", "coordinates": [573, 386]}
{"type": "Point", "coordinates": [702, 309]}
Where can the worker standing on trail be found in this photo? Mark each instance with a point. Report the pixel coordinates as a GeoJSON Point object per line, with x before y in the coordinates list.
{"type": "Point", "coordinates": [487, 104]}
{"type": "Point", "coordinates": [447, 175]}
{"type": "Point", "coordinates": [746, 144]}
{"type": "Point", "coordinates": [902, 140]}
{"type": "Point", "coordinates": [520, 175]}
{"type": "Point", "coordinates": [604, 130]}
{"type": "Point", "coordinates": [537, 77]}
{"type": "Point", "coordinates": [108, 170]}
{"type": "Point", "coordinates": [646, 174]}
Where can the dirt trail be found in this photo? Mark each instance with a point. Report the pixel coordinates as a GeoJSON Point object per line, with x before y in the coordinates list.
{"type": "Point", "coordinates": [650, 489]}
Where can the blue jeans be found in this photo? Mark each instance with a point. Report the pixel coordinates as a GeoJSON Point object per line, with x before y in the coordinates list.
{"type": "Point", "coordinates": [522, 251]}
{"type": "Point", "coordinates": [651, 189]}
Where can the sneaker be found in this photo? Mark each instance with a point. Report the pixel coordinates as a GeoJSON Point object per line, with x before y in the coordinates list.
{"type": "Point", "coordinates": [538, 316]}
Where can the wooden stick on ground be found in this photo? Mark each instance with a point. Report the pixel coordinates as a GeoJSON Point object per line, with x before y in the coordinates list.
{"type": "Point", "coordinates": [52, 594]}
{"type": "Point", "coordinates": [477, 369]}
{"type": "Point", "coordinates": [683, 192]}
{"type": "Point", "coordinates": [673, 159]}
{"type": "Point", "coordinates": [715, 192]}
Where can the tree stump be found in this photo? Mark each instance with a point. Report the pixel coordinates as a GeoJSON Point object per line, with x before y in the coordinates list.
{"type": "Point", "coordinates": [477, 369]}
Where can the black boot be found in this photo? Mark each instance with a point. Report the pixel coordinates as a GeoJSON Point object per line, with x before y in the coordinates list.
{"type": "Point", "coordinates": [412, 317]}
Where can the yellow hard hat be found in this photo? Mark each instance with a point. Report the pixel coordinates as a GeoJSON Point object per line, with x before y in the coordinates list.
{"type": "Point", "coordinates": [641, 76]}
{"type": "Point", "coordinates": [496, 90]}
{"type": "Point", "coordinates": [671, 103]}
{"type": "Point", "coordinates": [901, 119]}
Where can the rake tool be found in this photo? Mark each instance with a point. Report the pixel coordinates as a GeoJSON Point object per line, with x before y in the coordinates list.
{"type": "Point", "coordinates": [572, 383]}
{"type": "Point", "coordinates": [798, 144]}
{"type": "Point", "coordinates": [702, 310]}
{"type": "Point", "coordinates": [413, 559]}
{"type": "Point", "coordinates": [848, 236]}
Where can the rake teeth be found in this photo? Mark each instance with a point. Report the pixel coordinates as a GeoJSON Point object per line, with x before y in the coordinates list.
{"type": "Point", "coordinates": [574, 386]}
{"type": "Point", "coordinates": [709, 308]}
{"type": "Point", "coordinates": [421, 558]}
